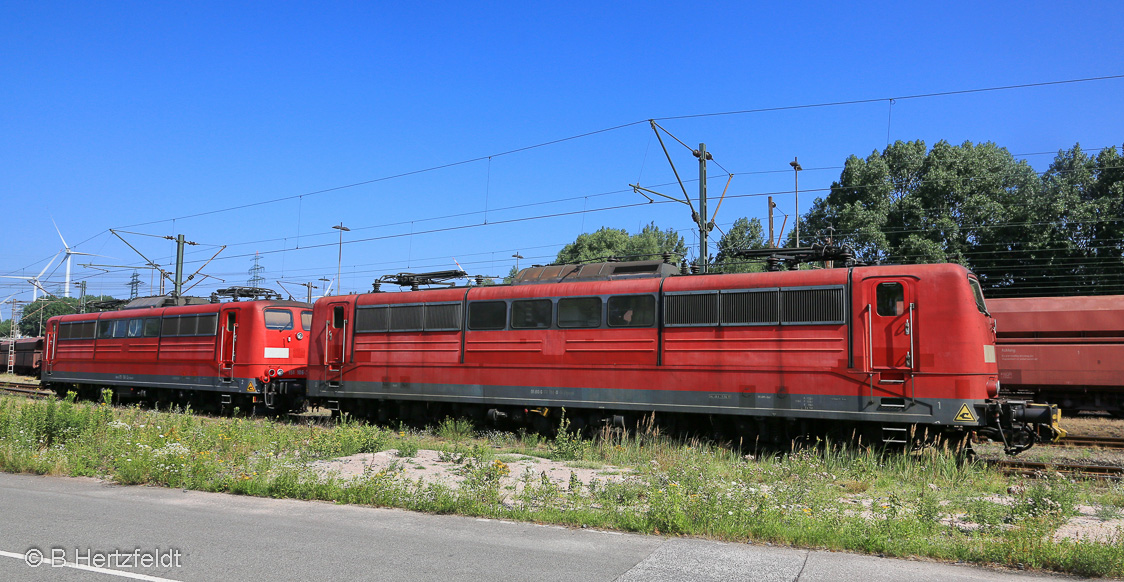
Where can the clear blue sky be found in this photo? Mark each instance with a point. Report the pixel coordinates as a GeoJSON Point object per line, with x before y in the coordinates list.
{"type": "Point", "coordinates": [128, 115]}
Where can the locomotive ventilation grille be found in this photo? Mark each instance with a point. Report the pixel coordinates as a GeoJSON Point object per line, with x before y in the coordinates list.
{"type": "Point", "coordinates": [431, 317]}
{"type": "Point", "coordinates": [798, 306]}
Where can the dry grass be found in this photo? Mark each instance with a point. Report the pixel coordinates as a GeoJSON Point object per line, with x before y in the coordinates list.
{"type": "Point", "coordinates": [18, 378]}
{"type": "Point", "coordinates": [1094, 426]}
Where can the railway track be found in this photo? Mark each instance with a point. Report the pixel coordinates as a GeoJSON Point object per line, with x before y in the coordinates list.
{"type": "Point", "coordinates": [1091, 441]}
{"type": "Point", "coordinates": [1035, 469]}
{"type": "Point", "coordinates": [28, 389]}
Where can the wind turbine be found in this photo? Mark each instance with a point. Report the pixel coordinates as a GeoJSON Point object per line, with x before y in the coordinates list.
{"type": "Point", "coordinates": [69, 253]}
{"type": "Point", "coordinates": [35, 285]}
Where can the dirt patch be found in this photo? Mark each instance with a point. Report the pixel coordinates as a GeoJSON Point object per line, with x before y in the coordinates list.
{"type": "Point", "coordinates": [434, 467]}
{"type": "Point", "coordinates": [1087, 527]}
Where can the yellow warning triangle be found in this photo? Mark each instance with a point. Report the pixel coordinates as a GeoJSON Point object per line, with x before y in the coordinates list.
{"type": "Point", "coordinates": [965, 414]}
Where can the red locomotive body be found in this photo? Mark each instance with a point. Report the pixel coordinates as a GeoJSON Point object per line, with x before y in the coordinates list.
{"type": "Point", "coordinates": [250, 354]}
{"type": "Point", "coordinates": [1069, 350]}
{"type": "Point", "coordinates": [875, 349]}
{"type": "Point", "coordinates": [26, 355]}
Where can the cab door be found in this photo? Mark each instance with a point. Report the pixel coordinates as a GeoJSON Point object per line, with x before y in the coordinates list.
{"type": "Point", "coordinates": [337, 337]}
{"type": "Point", "coordinates": [890, 325]}
{"type": "Point", "coordinates": [228, 340]}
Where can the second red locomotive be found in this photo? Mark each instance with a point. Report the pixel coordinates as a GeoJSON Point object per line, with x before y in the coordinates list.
{"type": "Point", "coordinates": [246, 354]}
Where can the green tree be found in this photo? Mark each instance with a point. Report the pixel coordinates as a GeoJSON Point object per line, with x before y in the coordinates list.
{"type": "Point", "coordinates": [35, 314]}
{"type": "Point", "coordinates": [975, 204]}
{"type": "Point", "coordinates": [33, 321]}
{"type": "Point", "coordinates": [744, 234]}
{"type": "Point", "coordinates": [650, 243]}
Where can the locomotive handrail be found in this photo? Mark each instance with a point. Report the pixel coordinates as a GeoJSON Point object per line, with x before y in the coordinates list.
{"type": "Point", "coordinates": [869, 347]}
{"type": "Point", "coordinates": [912, 358]}
{"type": "Point", "coordinates": [869, 343]}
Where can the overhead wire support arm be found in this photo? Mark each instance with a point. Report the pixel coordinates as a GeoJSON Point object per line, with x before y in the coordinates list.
{"type": "Point", "coordinates": [151, 263]}
{"type": "Point", "coordinates": [656, 127]}
{"type": "Point", "coordinates": [723, 197]}
{"type": "Point", "coordinates": [201, 279]}
{"type": "Point", "coordinates": [640, 190]}
{"type": "Point", "coordinates": [192, 276]}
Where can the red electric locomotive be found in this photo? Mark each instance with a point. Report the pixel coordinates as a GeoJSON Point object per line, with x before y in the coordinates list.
{"type": "Point", "coordinates": [246, 354]}
{"type": "Point", "coordinates": [878, 351]}
{"type": "Point", "coordinates": [1068, 350]}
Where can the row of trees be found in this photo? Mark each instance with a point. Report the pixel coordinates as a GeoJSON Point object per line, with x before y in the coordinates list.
{"type": "Point", "coordinates": [36, 313]}
{"type": "Point", "coordinates": [652, 243]}
{"type": "Point", "coordinates": [1022, 232]}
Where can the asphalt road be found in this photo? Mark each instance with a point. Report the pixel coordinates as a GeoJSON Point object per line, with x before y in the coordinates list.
{"type": "Point", "coordinates": [225, 537]}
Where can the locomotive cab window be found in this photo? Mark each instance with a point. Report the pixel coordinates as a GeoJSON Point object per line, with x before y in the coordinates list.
{"type": "Point", "coordinates": [891, 299]}
{"type": "Point", "coordinates": [487, 315]}
{"type": "Point", "coordinates": [579, 312]}
{"type": "Point", "coordinates": [977, 293]}
{"type": "Point", "coordinates": [632, 311]}
{"type": "Point", "coordinates": [280, 319]}
{"type": "Point", "coordinates": [531, 314]}
{"type": "Point", "coordinates": [306, 320]}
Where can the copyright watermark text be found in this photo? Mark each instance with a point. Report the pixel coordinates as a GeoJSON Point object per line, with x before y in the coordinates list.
{"type": "Point", "coordinates": [136, 558]}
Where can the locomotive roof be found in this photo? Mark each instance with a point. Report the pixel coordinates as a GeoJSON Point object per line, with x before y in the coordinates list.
{"type": "Point", "coordinates": [594, 272]}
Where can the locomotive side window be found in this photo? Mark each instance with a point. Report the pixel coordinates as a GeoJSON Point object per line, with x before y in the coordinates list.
{"type": "Point", "coordinates": [337, 317]}
{"type": "Point", "coordinates": [579, 312]}
{"type": "Point", "coordinates": [306, 320]}
{"type": "Point", "coordinates": [207, 324]}
{"type": "Point", "coordinates": [77, 330]}
{"type": "Point", "coordinates": [231, 320]}
{"type": "Point", "coordinates": [891, 299]}
{"type": "Point", "coordinates": [120, 328]}
{"type": "Point", "coordinates": [152, 327]}
{"type": "Point", "coordinates": [280, 319]}
{"type": "Point", "coordinates": [487, 315]}
{"type": "Point", "coordinates": [187, 326]}
{"type": "Point", "coordinates": [105, 329]}
{"type": "Point", "coordinates": [531, 314]}
{"type": "Point", "coordinates": [632, 311]}
{"type": "Point", "coordinates": [170, 326]}
{"type": "Point", "coordinates": [136, 327]}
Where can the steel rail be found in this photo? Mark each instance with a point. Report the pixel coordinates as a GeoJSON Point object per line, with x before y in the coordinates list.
{"type": "Point", "coordinates": [1035, 469]}
{"type": "Point", "coordinates": [28, 389]}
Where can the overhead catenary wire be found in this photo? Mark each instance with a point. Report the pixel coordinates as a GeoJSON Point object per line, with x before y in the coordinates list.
{"type": "Point", "coordinates": [613, 128]}
{"type": "Point", "coordinates": [626, 125]}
